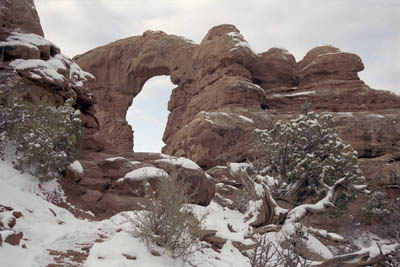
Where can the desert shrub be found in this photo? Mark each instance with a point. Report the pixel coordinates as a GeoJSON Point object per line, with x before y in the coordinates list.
{"type": "Point", "coordinates": [306, 154]}
{"type": "Point", "coordinates": [385, 213]}
{"type": "Point", "coordinates": [46, 139]}
{"type": "Point", "coordinates": [264, 252]}
{"type": "Point", "coordinates": [289, 253]}
{"type": "Point", "coordinates": [168, 222]}
{"type": "Point", "coordinates": [246, 193]}
{"type": "Point", "coordinates": [376, 208]}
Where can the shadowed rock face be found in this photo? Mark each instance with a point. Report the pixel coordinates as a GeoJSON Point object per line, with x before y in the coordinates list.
{"type": "Point", "coordinates": [225, 91]}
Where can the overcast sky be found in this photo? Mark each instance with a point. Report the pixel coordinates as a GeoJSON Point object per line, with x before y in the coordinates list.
{"type": "Point", "coordinates": [369, 28]}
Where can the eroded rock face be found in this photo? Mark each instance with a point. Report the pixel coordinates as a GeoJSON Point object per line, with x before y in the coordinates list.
{"type": "Point", "coordinates": [21, 15]}
{"type": "Point", "coordinates": [225, 91]}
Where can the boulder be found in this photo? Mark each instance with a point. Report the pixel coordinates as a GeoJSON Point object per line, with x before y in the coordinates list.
{"type": "Point", "coordinates": [14, 239]}
{"type": "Point", "coordinates": [275, 69]}
{"type": "Point", "coordinates": [328, 63]}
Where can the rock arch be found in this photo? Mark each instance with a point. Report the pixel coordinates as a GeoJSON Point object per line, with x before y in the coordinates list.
{"type": "Point", "coordinates": [123, 67]}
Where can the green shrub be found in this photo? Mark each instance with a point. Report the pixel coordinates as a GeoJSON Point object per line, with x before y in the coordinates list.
{"type": "Point", "coordinates": [46, 139]}
{"type": "Point", "coordinates": [379, 209]}
{"type": "Point", "coordinates": [168, 222]}
{"type": "Point", "coordinates": [376, 207]}
{"type": "Point", "coordinates": [305, 154]}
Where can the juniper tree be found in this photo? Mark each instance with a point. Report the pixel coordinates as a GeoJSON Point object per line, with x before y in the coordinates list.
{"type": "Point", "coordinates": [46, 138]}
{"type": "Point", "coordinates": [305, 155]}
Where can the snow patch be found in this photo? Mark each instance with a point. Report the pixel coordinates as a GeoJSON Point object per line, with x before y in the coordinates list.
{"type": "Point", "coordinates": [239, 41]}
{"type": "Point", "coordinates": [183, 162]}
{"type": "Point", "coordinates": [41, 66]}
{"type": "Point", "coordinates": [376, 116]}
{"type": "Point", "coordinates": [246, 119]}
{"type": "Point", "coordinates": [29, 40]}
{"type": "Point", "coordinates": [76, 167]}
{"type": "Point", "coordinates": [143, 173]}
{"type": "Point", "coordinates": [110, 253]}
{"type": "Point", "coordinates": [294, 94]}
{"type": "Point", "coordinates": [115, 158]}
{"type": "Point", "coordinates": [46, 68]}
{"type": "Point", "coordinates": [238, 167]}
{"type": "Point", "coordinates": [345, 114]}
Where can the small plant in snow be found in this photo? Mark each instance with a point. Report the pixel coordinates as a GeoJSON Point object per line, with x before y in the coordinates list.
{"type": "Point", "coordinates": [168, 222]}
{"type": "Point", "coordinates": [376, 207]}
{"type": "Point", "coordinates": [46, 138]}
{"type": "Point", "coordinates": [286, 252]}
{"type": "Point", "coordinates": [243, 196]}
{"type": "Point", "coordinates": [384, 212]}
{"type": "Point", "coordinates": [305, 155]}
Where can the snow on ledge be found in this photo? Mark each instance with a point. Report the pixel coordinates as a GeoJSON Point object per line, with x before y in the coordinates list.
{"type": "Point", "coordinates": [49, 69]}
{"type": "Point", "coordinates": [143, 173]}
{"type": "Point", "coordinates": [114, 158]}
{"type": "Point", "coordinates": [344, 114]}
{"type": "Point", "coordinates": [245, 118]}
{"type": "Point", "coordinates": [183, 162]}
{"type": "Point", "coordinates": [294, 94]}
{"type": "Point", "coordinates": [29, 40]}
{"type": "Point", "coordinates": [76, 167]}
{"type": "Point", "coordinates": [378, 116]}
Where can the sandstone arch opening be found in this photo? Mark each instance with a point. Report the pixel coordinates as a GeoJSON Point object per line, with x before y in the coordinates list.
{"type": "Point", "coordinates": [148, 114]}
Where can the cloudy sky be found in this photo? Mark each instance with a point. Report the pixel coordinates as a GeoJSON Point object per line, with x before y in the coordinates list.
{"type": "Point", "coordinates": [368, 28]}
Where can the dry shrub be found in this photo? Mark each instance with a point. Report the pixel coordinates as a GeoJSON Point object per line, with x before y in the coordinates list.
{"type": "Point", "coordinates": [168, 222]}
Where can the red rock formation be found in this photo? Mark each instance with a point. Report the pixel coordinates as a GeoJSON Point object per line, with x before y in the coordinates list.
{"type": "Point", "coordinates": [225, 91]}
{"type": "Point", "coordinates": [21, 15]}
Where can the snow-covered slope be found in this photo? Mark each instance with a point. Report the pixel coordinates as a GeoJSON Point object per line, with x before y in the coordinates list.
{"type": "Point", "coordinates": [44, 234]}
{"type": "Point", "coordinates": [53, 235]}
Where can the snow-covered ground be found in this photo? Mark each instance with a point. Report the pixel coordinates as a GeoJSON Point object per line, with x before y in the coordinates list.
{"type": "Point", "coordinates": [49, 230]}
{"type": "Point", "coordinates": [52, 234]}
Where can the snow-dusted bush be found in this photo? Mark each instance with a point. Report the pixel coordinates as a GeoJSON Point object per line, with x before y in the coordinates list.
{"type": "Point", "coordinates": [168, 222]}
{"type": "Point", "coordinates": [243, 196]}
{"type": "Point", "coordinates": [305, 155]}
{"type": "Point", "coordinates": [46, 138]}
{"type": "Point", "coordinates": [378, 209]}
{"type": "Point", "coordinates": [287, 252]}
